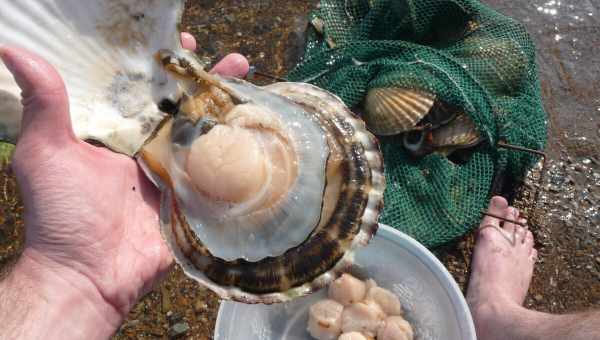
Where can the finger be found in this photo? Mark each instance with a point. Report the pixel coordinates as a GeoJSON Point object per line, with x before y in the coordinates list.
{"type": "Point", "coordinates": [496, 207]}
{"type": "Point", "coordinates": [188, 41]}
{"type": "Point", "coordinates": [45, 101]}
{"type": "Point", "coordinates": [233, 65]}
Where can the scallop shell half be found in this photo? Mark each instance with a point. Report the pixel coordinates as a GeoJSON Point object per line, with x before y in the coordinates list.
{"type": "Point", "coordinates": [393, 110]}
{"type": "Point", "coordinates": [330, 227]}
{"type": "Point", "coordinates": [459, 133]}
{"type": "Point", "coordinates": [103, 51]}
{"type": "Point", "coordinates": [156, 109]}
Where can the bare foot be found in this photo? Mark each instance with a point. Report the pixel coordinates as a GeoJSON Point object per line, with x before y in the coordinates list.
{"type": "Point", "coordinates": [501, 271]}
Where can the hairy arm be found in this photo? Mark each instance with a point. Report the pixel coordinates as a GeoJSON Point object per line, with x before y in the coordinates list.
{"type": "Point", "coordinates": [42, 302]}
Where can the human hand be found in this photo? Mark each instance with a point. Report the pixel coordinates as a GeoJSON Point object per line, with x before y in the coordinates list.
{"type": "Point", "coordinates": [91, 216]}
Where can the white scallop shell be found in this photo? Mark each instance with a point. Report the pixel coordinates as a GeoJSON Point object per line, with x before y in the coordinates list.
{"type": "Point", "coordinates": [103, 50]}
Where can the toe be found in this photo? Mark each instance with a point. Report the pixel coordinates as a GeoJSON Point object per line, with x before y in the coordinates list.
{"type": "Point", "coordinates": [520, 235]}
{"type": "Point", "coordinates": [529, 238]}
{"type": "Point", "coordinates": [529, 241]}
{"type": "Point", "coordinates": [512, 214]}
{"type": "Point", "coordinates": [534, 255]}
{"type": "Point", "coordinates": [497, 207]}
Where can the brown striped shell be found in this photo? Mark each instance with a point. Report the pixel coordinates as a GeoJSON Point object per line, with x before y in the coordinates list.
{"type": "Point", "coordinates": [351, 203]}
{"type": "Point", "coordinates": [394, 110]}
{"type": "Point", "coordinates": [459, 133]}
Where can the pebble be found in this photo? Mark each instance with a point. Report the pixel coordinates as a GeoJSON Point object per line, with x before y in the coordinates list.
{"type": "Point", "coordinates": [178, 330]}
{"type": "Point", "coordinates": [165, 301]}
{"type": "Point", "coordinates": [174, 317]}
{"type": "Point", "coordinates": [598, 259]}
{"type": "Point", "coordinates": [538, 297]}
{"type": "Point", "coordinates": [200, 306]}
{"type": "Point", "coordinates": [230, 18]}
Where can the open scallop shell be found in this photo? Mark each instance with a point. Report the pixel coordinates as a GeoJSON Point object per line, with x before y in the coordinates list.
{"type": "Point", "coordinates": [394, 110]}
{"type": "Point", "coordinates": [104, 50]}
{"type": "Point", "coordinates": [349, 217]}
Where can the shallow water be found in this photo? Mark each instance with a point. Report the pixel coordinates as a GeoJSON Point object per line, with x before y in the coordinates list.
{"type": "Point", "coordinates": [567, 221]}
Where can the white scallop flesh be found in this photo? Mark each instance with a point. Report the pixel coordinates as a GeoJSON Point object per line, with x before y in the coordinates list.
{"type": "Point", "coordinates": [365, 317]}
{"type": "Point", "coordinates": [325, 320]}
{"type": "Point", "coordinates": [388, 301]}
{"type": "Point", "coordinates": [234, 185]}
{"type": "Point", "coordinates": [347, 290]}
{"type": "Point", "coordinates": [395, 328]}
{"type": "Point", "coordinates": [353, 336]}
{"type": "Point", "coordinates": [103, 50]}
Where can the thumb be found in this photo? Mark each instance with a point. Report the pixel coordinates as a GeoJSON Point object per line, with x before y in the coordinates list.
{"type": "Point", "coordinates": [45, 101]}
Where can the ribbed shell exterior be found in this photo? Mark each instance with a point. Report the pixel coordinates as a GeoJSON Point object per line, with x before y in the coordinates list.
{"type": "Point", "coordinates": [461, 132]}
{"type": "Point", "coordinates": [394, 110]}
{"type": "Point", "coordinates": [328, 250]}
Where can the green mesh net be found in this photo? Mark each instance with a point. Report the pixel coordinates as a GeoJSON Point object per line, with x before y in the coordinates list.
{"type": "Point", "coordinates": [465, 53]}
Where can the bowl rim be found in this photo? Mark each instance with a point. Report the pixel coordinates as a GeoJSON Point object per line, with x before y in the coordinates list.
{"type": "Point", "coordinates": [455, 295]}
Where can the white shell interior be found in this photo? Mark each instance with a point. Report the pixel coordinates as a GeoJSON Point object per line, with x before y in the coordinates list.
{"type": "Point", "coordinates": [244, 230]}
{"type": "Point", "coordinates": [103, 50]}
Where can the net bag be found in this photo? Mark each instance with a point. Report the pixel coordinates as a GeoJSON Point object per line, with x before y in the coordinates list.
{"type": "Point", "coordinates": [464, 56]}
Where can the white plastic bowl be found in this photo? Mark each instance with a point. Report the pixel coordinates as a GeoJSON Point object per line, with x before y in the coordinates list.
{"type": "Point", "coordinates": [430, 297]}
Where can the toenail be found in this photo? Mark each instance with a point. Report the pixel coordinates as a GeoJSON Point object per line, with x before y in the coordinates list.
{"type": "Point", "coordinates": [499, 202]}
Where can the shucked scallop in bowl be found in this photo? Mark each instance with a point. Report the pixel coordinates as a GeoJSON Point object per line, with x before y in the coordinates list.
{"type": "Point", "coordinates": [430, 299]}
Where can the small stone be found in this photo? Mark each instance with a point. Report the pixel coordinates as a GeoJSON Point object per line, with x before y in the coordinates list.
{"type": "Point", "coordinates": [587, 161]}
{"type": "Point", "coordinates": [230, 18]}
{"type": "Point", "coordinates": [200, 306]}
{"type": "Point", "coordinates": [178, 330]}
{"type": "Point", "coordinates": [207, 3]}
{"type": "Point", "coordinates": [598, 259]}
{"type": "Point", "coordinates": [174, 317]}
{"type": "Point", "coordinates": [538, 298]}
{"type": "Point", "coordinates": [165, 299]}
